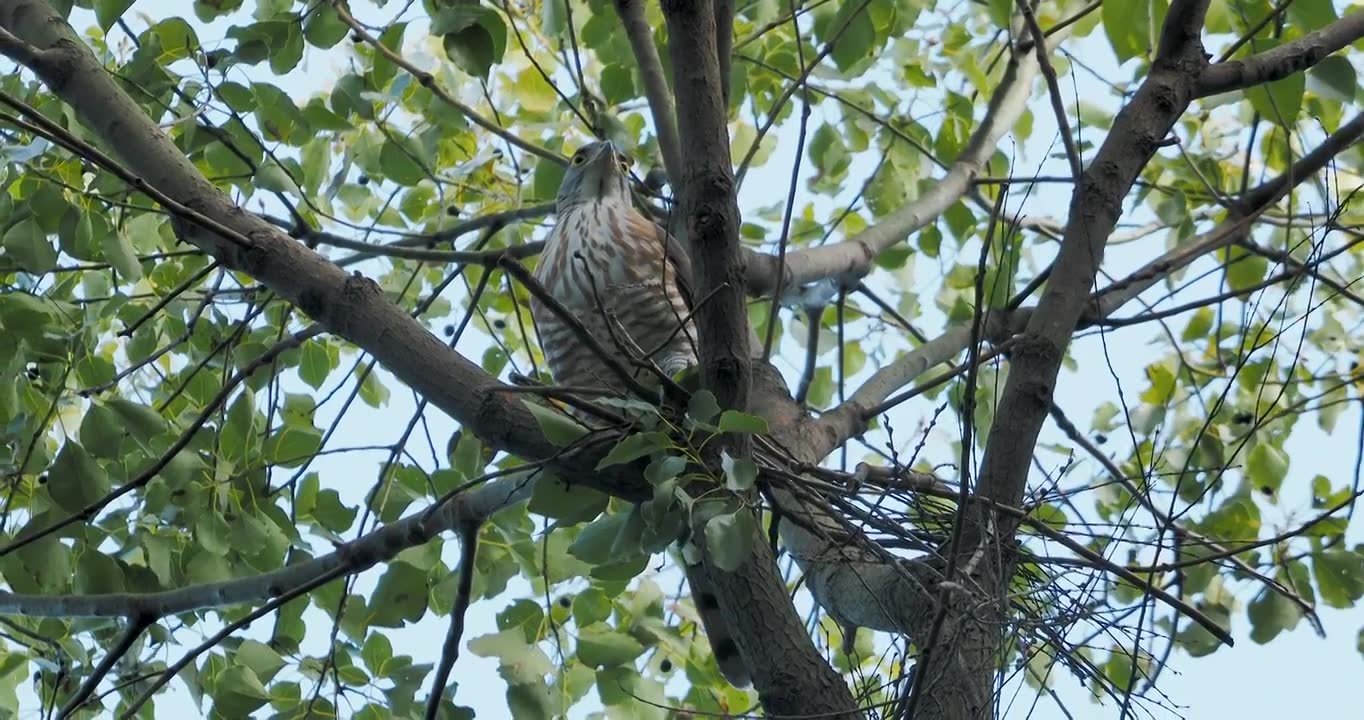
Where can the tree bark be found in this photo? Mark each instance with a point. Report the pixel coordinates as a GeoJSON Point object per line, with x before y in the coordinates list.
{"type": "Point", "coordinates": [754, 598]}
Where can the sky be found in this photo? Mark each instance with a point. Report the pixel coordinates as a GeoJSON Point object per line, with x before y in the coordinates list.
{"type": "Point", "coordinates": [1297, 674]}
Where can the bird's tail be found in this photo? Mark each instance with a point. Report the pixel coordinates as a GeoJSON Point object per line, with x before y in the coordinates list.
{"type": "Point", "coordinates": [717, 627]}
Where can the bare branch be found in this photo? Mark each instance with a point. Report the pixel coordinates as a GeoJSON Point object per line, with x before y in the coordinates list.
{"type": "Point", "coordinates": [111, 657]}
{"type": "Point", "coordinates": [468, 507]}
{"type": "Point", "coordinates": [852, 258]}
{"type": "Point", "coordinates": [463, 595]}
{"type": "Point", "coordinates": [1058, 105]}
{"type": "Point", "coordinates": [1284, 60]}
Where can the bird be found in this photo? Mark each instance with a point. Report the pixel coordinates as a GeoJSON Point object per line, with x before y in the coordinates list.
{"type": "Point", "coordinates": [629, 282]}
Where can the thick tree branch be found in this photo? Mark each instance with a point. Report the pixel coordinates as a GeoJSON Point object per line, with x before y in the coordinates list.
{"type": "Point", "coordinates": [656, 91]}
{"type": "Point", "coordinates": [963, 636]}
{"type": "Point", "coordinates": [1250, 206]}
{"type": "Point", "coordinates": [1284, 60]}
{"type": "Point", "coordinates": [1095, 207]}
{"type": "Point", "coordinates": [764, 622]}
{"type": "Point", "coordinates": [706, 201]}
{"type": "Point", "coordinates": [724, 45]}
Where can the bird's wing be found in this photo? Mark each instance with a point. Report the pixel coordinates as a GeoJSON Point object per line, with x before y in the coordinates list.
{"type": "Point", "coordinates": [678, 260]}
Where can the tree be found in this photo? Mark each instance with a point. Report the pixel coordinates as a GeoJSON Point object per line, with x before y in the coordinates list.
{"type": "Point", "coordinates": [202, 271]}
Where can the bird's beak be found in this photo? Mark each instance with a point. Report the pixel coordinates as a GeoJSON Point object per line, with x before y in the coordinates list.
{"type": "Point", "coordinates": [606, 163]}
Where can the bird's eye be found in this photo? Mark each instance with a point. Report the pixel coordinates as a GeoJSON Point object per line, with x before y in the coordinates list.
{"type": "Point", "coordinates": [624, 166]}
{"type": "Point", "coordinates": [579, 159]}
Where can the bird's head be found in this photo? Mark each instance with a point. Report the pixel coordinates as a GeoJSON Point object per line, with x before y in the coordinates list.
{"type": "Point", "coordinates": [598, 171]}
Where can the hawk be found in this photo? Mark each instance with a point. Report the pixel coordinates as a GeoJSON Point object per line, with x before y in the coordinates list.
{"type": "Point", "coordinates": [629, 282]}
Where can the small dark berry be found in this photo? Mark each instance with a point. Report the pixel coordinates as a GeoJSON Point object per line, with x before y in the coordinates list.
{"type": "Point", "coordinates": [666, 665]}
{"type": "Point", "coordinates": [452, 211]}
{"type": "Point", "coordinates": [1100, 438]}
{"type": "Point", "coordinates": [355, 37]}
{"type": "Point", "coordinates": [42, 479]}
{"type": "Point", "coordinates": [363, 180]}
{"type": "Point", "coordinates": [449, 330]}
{"type": "Point", "coordinates": [565, 601]}
{"type": "Point", "coordinates": [500, 324]}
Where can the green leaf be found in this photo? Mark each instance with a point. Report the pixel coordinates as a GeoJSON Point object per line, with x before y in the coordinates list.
{"type": "Point", "coordinates": [545, 181]}
{"type": "Point", "coordinates": [1312, 14]}
{"type": "Point", "coordinates": [213, 533]}
{"type": "Point", "coordinates": [107, 12]}
{"type": "Point", "coordinates": [97, 574]}
{"type": "Point", "coordinates": [1051, 515]}
{"type": "Point", "coordinates": [75, 479]}
{"type": "Point", "coordinates": [1278, 101]}
{"type": "Point", "coordinates": [1340, 576]}
{"type": "Point", "coordinates": [729, 539]}
{"type": "Point", "coordinates": [740, 474]}
{"type": "Point", "coordinates": [120, 254]}
{"type": "Point", "coordinates": [272, 176]}
{"type": "Point", "coordinates": [373, 392]}
{"type": "Point", "coordinates": [102, 431]}
{"type": "Point", "coordinates": [600, 648]}
{"type": "Point", "coordinates": [591, 606]}
{"type": "Point", "coordinates": [1199, 326]}
{"type": "Point", "coordinates": [28, 245]}
{"type": "Point", "coordinates": [1266, 468]}
{"type": "Point", "coordinates": [1333, 78]}
{"type": "Point", "coordinates": [43, 565]}
{"type": "Point", "coordinates": [702, 406]}
{"type": "Point", "coordinates": [474, 37]}
{"type": "Point", "coordinates": [293, 446]}
{"type": "Point", "coordinates": [617, 83]}
{"type": "Point", "coordinates": [314, 364]}
{"type": "Point", "coordinates": [1270, 614]}
{"type": "Point", "coordinates": [595, 540]}
{"type": "Point", "coordinates": [559, 429]}
{"type": "Point", "coordinates": [665, 468]}
{"type": "Point", "coordinates": [285, 55]}
{"type": "Point", "coordinates": [633, 447]}
{"type": "Point", "coordinates": [238, 692]}
{"type": "Point", "coordinates": [332, 513]}
{"type": "Point", "coordinates": [141, 422]}
{"type": "Point", "coordinates": [400, 596]}
{"type": "Point", "coordinates": [376, 653]}
{"type": "Point", "coordinates": [530, 700]}
{"type": "Point", "coordinates": [238, 436]}
{"type": "Point", "coordinates": [399, 159]}
{"type": "Point", "coordinates": [1126, 23]}
{"type": "Point", "coordinates": [737, 422]}
{"type": "Point", "coordinates": [569, 504]}
{"type": "Point", "coordinates": [1244, 270]}
{"type": "Point", "coordinates": [324, 27]}
{"type": "Point", "coordinates": [856, 35]}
